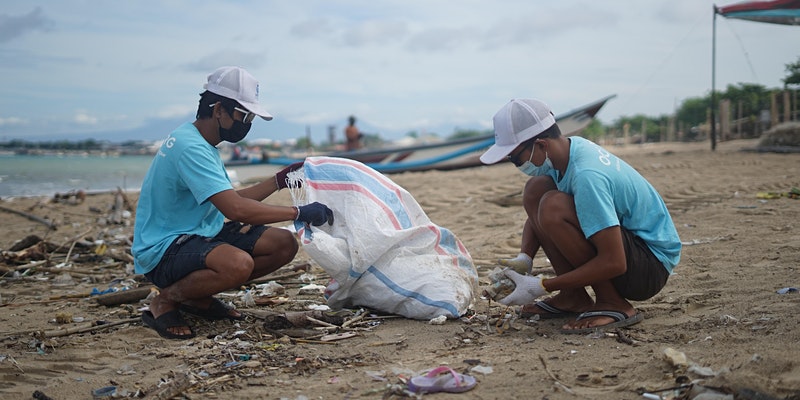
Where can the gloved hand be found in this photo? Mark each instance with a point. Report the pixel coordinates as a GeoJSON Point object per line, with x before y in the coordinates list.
{"type": "Point", "coordinates": [529, 288]}
{"type": "Point", "coordinates": [280, 177]}
{"type": "Point", "coordinates": [522, 263]}
{"type": "Point", "coordinates": [315, 214]}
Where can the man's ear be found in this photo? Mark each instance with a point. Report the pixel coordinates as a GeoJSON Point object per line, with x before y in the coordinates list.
{"type": "Point", "coordinates": [215, 112]}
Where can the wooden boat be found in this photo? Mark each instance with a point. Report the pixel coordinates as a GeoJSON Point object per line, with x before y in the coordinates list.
{"type": "Point", "coordinates": [454, 154]}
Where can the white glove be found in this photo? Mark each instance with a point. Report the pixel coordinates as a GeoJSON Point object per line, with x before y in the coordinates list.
{"type": "Point", "coordinates": [529, 288]}
{"type": "Point", "coordinates": [522, 263]}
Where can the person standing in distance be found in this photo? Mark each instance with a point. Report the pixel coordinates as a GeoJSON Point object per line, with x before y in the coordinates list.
{"type": "Point", "coordinates": [351, 135]}
{"type": "Point", "coordinates": [597, 219]}
{"type": "Point", "coordinates": [182, 242]}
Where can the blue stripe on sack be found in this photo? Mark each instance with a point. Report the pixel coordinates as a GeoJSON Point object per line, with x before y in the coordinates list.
{"type": "Point", "coordinates": [334, 173]}
{"type": "Point", "coordinates": [449, 242]}
{"type": "Point", "coordinates": [411, 294]}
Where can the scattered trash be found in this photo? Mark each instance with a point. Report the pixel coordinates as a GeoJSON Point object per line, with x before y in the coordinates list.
{"type": "Point", "coordinates": [440, 320]}
{"type": "Point", "coordinates": [271, 289]}
{"type": "Point", "coordinates": [103, 392]}
{"type": "Point", "coordinates": [499, 286]}
{"type": "Point", "coordinates": [675, 357]}
{"type": "Point", "coordinates": [707, 240]}
{"type": "Point", "coordinates": [787, 290]}
{"type": "Point", "coordinates": [441, 379]}
{"type": "Point", "coordinates": [482, 369]}
{"type": "Point", "coordinates": [793, 193]}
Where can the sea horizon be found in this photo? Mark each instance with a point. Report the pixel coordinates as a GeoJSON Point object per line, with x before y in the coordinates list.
{"type": "Point", "coordinates": [51, 174]}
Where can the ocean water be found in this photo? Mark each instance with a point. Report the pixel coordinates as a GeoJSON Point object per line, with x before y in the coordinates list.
{"type": "Point", "coordinates": [46, 175]}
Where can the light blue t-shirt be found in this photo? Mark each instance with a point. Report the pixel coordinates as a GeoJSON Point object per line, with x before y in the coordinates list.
{"type": "Point", "coordinates": [185, 172]}
{"type": "Point", "coordinates": [609, 192]}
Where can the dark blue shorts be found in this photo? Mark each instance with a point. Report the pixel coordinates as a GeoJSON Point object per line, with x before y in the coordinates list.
{"type": "Point", "coordinates": [188, 253]}
{"type": "Point", "coordinates": [645, 276]}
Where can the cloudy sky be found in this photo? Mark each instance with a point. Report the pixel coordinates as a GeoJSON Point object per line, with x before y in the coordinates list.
{"type": "Point", "coordinates": [76, 69]}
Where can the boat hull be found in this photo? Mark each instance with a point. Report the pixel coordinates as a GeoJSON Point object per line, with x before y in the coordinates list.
{"type": "Point", "coordinates": [456, 154]}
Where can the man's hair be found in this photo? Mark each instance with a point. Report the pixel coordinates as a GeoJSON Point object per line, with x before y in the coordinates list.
{"type": "Point", "coordinates": [550, 133]}
{"type": "Point", "coordinates": [208, 99]}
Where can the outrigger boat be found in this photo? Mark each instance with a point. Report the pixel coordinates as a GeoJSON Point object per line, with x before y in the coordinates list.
{"type": "Point", "coordinates": [454, 154]}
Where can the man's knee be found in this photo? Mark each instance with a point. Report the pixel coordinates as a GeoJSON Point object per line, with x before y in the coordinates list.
{"type": "Point", "coordinates": [556, 207]}
{"type": "Point", "coordinates": [280, 242]}
{"type": "Point", "coordinates": [535, 189]}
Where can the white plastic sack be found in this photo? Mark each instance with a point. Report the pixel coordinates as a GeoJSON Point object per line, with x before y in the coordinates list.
{"type": "Point", "coordinates": [382, 251]}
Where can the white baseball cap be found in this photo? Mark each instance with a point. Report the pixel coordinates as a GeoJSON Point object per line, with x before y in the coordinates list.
{"type": "Point", "coordinates": [237, 84]}
{"type": "Point", "coordinates": [518, 121]}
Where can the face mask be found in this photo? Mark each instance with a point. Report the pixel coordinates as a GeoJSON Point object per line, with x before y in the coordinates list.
{"type": "Point", "coordinates": [236, 133]}
{"type": "Point", "coordinates": [528, 168]}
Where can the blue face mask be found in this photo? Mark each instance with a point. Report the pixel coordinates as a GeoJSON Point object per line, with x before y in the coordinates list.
{"type": "Point", "coordinates": [528, 168]}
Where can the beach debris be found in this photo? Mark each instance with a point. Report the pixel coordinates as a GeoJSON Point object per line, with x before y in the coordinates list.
{"type": "Point", "coordinates": [707, 240]}
{"type": "Point", "coordinates": [73, 197]}
{"type": "Point", "coordinates": [675, 358]}
{"type": "Point", "coordinates": [38, 395]}
{"type": "Point", "coordinates": [44, 221]}
{"type": "Point", "coordinates": [122, 209]}
{"type": "Point", "coordinates": [499, 286]}
{"type": "Point", "coordinates": [271, 289]}
{"type": "Point", "coordinates": [168, 388]}
{"type": "Point", "coordinates": [508, 200]}
{"type": "Point", "coordinates": [108, 391]}
{"type": "Point", "coordinates": [793, 193]}
{"type": "Point", "coordinates": [787, 290]}
{"type": "Point", "coordinates": [115, 298]}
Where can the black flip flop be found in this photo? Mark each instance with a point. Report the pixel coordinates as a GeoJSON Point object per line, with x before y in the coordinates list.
{"type": "Point", "coordinates": [620, 320]}
{"type": "Point", "coordinates": [169, 319]}
{"type": "Point", "coordinates": [550, 312]}
{"type": "Point", "coordinates": [215, 312]}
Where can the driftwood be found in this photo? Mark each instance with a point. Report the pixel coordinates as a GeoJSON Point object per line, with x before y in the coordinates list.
{"type": "Point", "coordinates": [124, 296]}
{"type": "Point", "coordinates": [92, 326]}
{"type": "Point", "coordinates": [31, 217]}
{"type": "Point", "coordinates": [176, 386]}
{"type": "Point", "coordinates": [83, 328]}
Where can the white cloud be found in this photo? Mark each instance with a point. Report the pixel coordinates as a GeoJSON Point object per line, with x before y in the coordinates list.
{"type": "Point", "coordinates": [85, 119]}
{"type": "Point", "coordinates": [11, 121]}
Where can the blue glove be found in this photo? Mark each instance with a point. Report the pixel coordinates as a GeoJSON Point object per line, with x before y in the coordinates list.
{"type": "Point", "coordinates": [315, 214]}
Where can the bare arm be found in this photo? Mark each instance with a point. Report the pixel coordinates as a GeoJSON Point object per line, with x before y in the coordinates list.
{"type": "Point", "coordinates": [259, 191]}
{"type": "Point", "coordinates": [248, 210]}
{"type": "Point", "coordinates": [530, 244]}
{"type": "Point", "coordinates": [609, 262]}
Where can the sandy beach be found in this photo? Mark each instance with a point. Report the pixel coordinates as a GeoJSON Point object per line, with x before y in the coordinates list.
{"type": "Point", "coordinates": [721, 310]}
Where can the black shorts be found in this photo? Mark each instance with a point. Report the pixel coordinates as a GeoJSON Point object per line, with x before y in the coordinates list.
{"type": "Point", "coordinates": [645, 276]}
{"type": "Point", "coordinates": [188, 253]}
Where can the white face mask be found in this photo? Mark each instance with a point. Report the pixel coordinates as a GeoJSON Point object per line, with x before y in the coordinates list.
{"type": "Point", "coordinates": [528, 168]}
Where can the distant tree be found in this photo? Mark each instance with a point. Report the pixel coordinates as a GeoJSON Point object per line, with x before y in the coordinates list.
{"type": "Point", "coordinates": [304, 143]}
{"type": "Point", "coordinates": [752, 97]}
{"type": "Point", "coordinates": [594, 131]}
{"type": "Point", "coordinates": [693, 111]}
{"type": "Point", "coordinates": [793, 74]}
{"type": "Point", "coordinates": [467, 133]}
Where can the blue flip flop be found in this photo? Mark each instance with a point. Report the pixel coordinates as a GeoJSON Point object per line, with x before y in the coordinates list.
{"type": "Point", "coordinates": [441, 379]}
{"type": "Point", "coordinates": [620, 320]}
